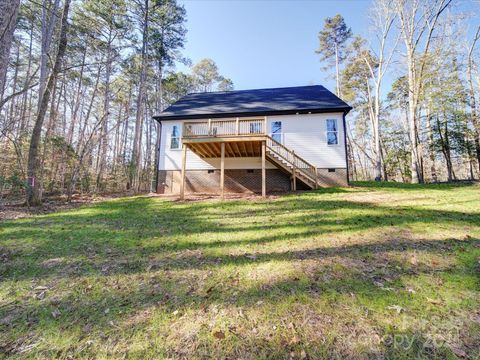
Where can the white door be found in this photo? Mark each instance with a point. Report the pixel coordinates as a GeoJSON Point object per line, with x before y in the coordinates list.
{"type": "Point", "coordinates": [277, 131]}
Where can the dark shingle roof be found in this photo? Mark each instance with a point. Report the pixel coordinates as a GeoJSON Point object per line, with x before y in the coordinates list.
{"type": "Point", "coordinates": [289, 100]}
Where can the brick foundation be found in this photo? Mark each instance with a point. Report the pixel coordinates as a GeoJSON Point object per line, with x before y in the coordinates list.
{"type": "Point", "coordinates": [328, 179]}
{"type": "Point", "coordinates": [239, 181]}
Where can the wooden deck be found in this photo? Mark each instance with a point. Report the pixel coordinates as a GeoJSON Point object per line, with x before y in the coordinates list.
{"type": "Point", "coordinates": [242, 138]}
{"type": "Point", "coordinates": [234, 148]}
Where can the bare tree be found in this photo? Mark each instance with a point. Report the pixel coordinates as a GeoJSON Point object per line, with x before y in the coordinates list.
{"type": "Point", "coordinates": [418, 20]}
{"type": "Point", "coordinates": [383, 17]}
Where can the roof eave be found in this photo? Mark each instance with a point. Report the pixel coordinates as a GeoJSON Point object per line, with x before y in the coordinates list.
{"type": "Point", "coordinates": [344, 109]}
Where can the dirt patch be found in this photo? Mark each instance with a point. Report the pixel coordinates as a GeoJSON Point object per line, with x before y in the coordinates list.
{"type": "Point", "coordinates": [50, 263]}
{"type": "Point", "coordinates": [207, 197]}
{"type": "Point", "coordinates": [19, 211]}
{"type": "Point", "coordinates": [15, 208]}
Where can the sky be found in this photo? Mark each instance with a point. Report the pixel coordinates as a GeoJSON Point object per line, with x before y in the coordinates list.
{"type": "Point", "coordinates": [267, 43]}
{"type": "Point", "coordinates": [272, 43]}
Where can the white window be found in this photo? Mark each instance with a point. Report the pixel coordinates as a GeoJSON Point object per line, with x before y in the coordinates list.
{"type": "Point", "coordinates": [332, 132]}
{"type": "Point", "coordinates": [175, 138]}
{"type": "Point", "coordinates": [277, 131]}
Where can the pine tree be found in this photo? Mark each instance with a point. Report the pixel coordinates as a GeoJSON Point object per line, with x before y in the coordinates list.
{"type": "Point", "coordinates": [332, 45]}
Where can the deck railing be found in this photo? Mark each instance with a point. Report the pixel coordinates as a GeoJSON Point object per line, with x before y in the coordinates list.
{"type": "Point", "coordinates": [219, 128]}
{"type": "Point", "coordinates": [296, 162]}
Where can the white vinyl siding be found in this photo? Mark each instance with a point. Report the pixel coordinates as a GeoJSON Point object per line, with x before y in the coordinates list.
{"type": "Point", "coordinates": [305, 134]}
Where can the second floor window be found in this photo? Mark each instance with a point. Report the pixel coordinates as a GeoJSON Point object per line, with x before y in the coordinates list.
{"type": "Point", "coordinates": [175, 138]}
{"type": "Point", "coordinates": [332, 132]}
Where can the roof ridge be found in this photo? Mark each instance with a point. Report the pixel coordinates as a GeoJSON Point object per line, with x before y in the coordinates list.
{"type": "Point", "coordinates": [270, 88]}
{"type": "Point", "coordinates": [284, 100]}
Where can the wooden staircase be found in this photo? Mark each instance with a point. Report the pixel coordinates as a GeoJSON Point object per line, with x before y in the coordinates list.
{"type": "Point", "coordinates": [286, 159]}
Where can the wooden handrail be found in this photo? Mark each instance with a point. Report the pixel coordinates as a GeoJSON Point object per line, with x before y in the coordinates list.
{"type": "Point", "coordinates": [294, 159]}
{"type": "Point", "coordinates": [287, 149]}
{"type": "Point", "coordinates": [231, 127]}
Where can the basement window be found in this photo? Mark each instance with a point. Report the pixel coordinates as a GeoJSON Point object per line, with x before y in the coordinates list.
{"type": "Point", "coordinates": [331, 170]}
{"type": "Point", "coordinates": [250, 171]}
{"type": "Point", "coordinates": [210, 171]}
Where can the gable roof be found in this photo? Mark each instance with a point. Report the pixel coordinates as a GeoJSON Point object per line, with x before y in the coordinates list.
{"type": "Point", "coordinates": [258, 102]}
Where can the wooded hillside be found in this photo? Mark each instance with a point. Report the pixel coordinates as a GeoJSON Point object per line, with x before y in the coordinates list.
{"type": "Point", "coordinates": [413, 80]}
{"type": "Point", "coordinates": [82, 82]}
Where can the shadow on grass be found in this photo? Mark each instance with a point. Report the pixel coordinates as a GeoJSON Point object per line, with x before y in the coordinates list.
{"type": "Point", "coordinates": [162, 250]}
{"type": "Point", "coordinates": [407, 186]}
{"type": "Point", "coordinates": [331, 190]}
{"type": "Point", "coordinates": [113, 309]}
{"type": "Point", "coordinates": [131, 232]}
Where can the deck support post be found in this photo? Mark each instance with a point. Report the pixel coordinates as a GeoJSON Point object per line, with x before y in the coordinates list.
{"type": "Point", "coordinates": [294, 172]}
{"type": "Point", "coordinates": [316, 178]}
{"type": "Point", "coordinates": [222, 169]}
{"type": "Point", "coordinates": [184, 162]}
{"type": "Point", "coordinates": [264, 183]}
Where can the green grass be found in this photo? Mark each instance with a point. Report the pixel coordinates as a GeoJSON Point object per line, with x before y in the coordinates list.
{"type": "Point", "coordinates": [363, 272]}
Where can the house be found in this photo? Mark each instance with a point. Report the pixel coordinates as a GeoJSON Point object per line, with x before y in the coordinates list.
{"type": "Point", "coordinates": [258, 141]}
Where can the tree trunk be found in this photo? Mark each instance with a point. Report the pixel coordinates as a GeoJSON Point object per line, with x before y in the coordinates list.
{"type": "Point", "coordinates": [78, 99]}
{"type": "Point", "coordinates": [431, 151]}
{"type": "Point", "coordinates": [116, 141]}
{"type": "Point", "coordinates": [445, 148]}
{"type": "Point", "coordinates": [49, 19]}
{"type": "Point", "coordinates": [378, 150]}
{"type": "Point", "coordinates": [383, 164]}
{"type": "Point", "coordinates": [158, 126]}
{"type": "Point", "coordinates": [337, 71]}
{"type": "Point", "coordinates": [34, 191]}
{"type": "Point", "coordinates": [124, 143]}
{"type": "Point", "coordinates": [125, 136]}
{"type": "Point", "coordinates": [8, 21]}
{"type": "Point", "coordinates": [412, 119]}
{"type": "Point", "coordinates": [14, 89]}
{"type": "Point", "coordinates": [106, 111]}
{"type": "Point", "coordinates": [135, 162]}
{"type": "Point", "coordinates": [83, 127]}
{"type": "Point", "coordinates": [24, 120]}
{"type": "Point", "coordinates": [48, 132]}
{"type": "Point", "coordinates": [351, 159]}
{"type": "Point", "coordinates": [473, 99]}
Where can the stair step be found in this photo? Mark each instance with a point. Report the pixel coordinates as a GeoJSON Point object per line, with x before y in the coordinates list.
{"type": "Point", "coordinates": [300, 174]}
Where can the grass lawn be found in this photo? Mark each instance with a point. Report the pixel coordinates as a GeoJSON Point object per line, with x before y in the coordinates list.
{"type": "Point", "coordinates": [365, 272]}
